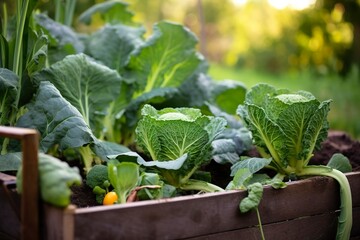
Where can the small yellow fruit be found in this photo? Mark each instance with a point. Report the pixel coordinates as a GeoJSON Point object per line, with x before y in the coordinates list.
{"type": "Point", "coordinates": [110, 198]}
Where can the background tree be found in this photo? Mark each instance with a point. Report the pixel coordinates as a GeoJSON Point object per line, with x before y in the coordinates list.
{"type": "Point", "coordinates": [351, 11]}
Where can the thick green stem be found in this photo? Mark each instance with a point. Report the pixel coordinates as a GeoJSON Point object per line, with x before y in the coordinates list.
{"type": "Point", "coordinates": [3, 49]}
{"type": "Point", "coordinates": [69, 13]}
{"type": "Point", "coordinates": [4, 146]}
{"type": "Point", "coordinates": [4, 19]}
{"type": "Point", "coordinates": [122, 197]}
{"type": "Point", "coordinates": [345, 218]}
{"type": "Point", "coordinates": [87, 157]}
{"type": "Point", "coordinates": [193, 184]}
{"type": "Point", "coordinates": [20, 24]}
{"type": "Point", "coordinates": [186, 178]}
{"type": "Point", "coordinates": [58, 11]}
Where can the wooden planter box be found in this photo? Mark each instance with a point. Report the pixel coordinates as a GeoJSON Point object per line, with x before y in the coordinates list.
{"type": "Point", "coordinates": [306, 209]}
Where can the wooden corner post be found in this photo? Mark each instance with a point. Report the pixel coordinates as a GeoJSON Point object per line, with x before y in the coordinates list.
{"type": "Point", "coordinates": [30, 180]}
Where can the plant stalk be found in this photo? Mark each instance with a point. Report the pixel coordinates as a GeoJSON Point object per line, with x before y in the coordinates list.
{"type": "Point", "coordinates": [20, 24]}
{"type": "Point", "coordinates": [4, 19]}
{"type": "Point", "coordinates": [69, 12]}
{"type": "Point", "coordinates": [87, 157]}
{"type": "Point", "coordinates": [3, 50]}
{"type": "Point", "coordinates": [345, 218]}
{"type": "Point", "coordinates": [58, 11]}
{"type": "Point", "coordinates": [260, 224]}
{"type": "Point", "coordinates": [122, 197]}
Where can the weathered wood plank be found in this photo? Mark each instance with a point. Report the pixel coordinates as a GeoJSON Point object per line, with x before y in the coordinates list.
{"type": "Point", "coordinates": [30, 193]}
{"type": "Point", "coordinates": [208, 216]}
{"type": "Point", "coordinates": [9, 221]}
{"type": "Point", "coordinates": [58, 223]}
{"type": "Point", "coordinates": [320, 227]}
{"type": "Point", "coordinates": [191, 216]}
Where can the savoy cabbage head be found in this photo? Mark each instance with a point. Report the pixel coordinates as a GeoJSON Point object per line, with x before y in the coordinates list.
{"type": "Point", "coordinates": [286, 126]}
{"type": "Point", "coordinates": [171, 133]}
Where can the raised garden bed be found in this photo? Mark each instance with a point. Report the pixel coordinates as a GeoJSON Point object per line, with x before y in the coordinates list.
{"type": "Point", "coordinates": [203, 216]}
{"type": "Point", "coordinates": [213, 216]}
{"type": "Point", "coordinates": [160, 102]}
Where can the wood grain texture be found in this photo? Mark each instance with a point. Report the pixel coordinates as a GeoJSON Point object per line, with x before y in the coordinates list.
{"type": "Point", "coordinates": [306, 209]}
{"type": "Point", "coordinates": [30, 195]}
{"type": "Point", "coordinates": [213, 214]}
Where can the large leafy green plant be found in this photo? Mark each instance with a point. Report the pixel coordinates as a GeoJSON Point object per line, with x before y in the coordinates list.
{"type": "Point", "coordinates": [287, 128]}
{"type": "Point", "coordinates": [88, 98]}
{"type": "Point", "coordinates": [176, 134]}
{"type": "Point", "coordinates": [23, 53]}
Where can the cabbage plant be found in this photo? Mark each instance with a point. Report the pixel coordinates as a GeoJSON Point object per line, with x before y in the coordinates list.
{"type": "Point", "coordinates": [171, 135]}
{"type": "Point", "coordinates": [287, 128]}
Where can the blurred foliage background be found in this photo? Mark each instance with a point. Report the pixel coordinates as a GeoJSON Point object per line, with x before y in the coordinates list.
{"type": "Point", "coordinates": [315, 46]}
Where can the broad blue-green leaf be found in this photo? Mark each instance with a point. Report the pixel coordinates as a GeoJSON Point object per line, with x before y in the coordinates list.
{"type": "Point", "coordinates": [215, 127]}
{"type": "Point", "coordinates": [63, 40]}
{"type": "Point", "coordinates": [166, 59]}
{"type": "Point", "coordinates": [230, 144]}
{"type": "Point", "coordinates": [224, 151]}
{"type": "Point", "coordinates": [87, 85]}
{"type": "Point", "coordinates": [56, 119]}
{"type": "Point", "coordinates": [8, 93]}
{"type": "Point", "coordinates": [241, 177]}
{"type": "Point", "coordinates": [112, 45]}
{"type": "Point", "coordinates": [221, 96]}
{"type": "Point", "coordinates": [253, 164]}
{"type": "Point", "coordinates": [10, 161]}
{"type": "Point", "coordinates": [155, 96]}
{"type": "Point", "coordinates": [233, 121]}
{"type": "Point", "coordinates": [112, 12]}
{"type": "Point", "coordinates": [228, 94]}
{"type": "Point", "coordinates": [340, 162]}
{"type": "Point", "coordinates": [264, 179]}
{"type": "Point", "coordinates": [105, 148]}
{"type": "Point", "coordinates": [193, 92]}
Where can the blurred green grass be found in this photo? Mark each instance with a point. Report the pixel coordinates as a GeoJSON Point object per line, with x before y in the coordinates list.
{"type": "Point", "coordinates": [345, 110]}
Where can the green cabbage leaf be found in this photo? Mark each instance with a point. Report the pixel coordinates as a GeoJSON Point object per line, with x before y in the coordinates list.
{"type": "Point", "coordinates": [288, 127]}
{"type": "Point", "coordinates": [170, 133]}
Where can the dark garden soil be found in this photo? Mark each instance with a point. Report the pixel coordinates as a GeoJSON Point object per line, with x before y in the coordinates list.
{"type": "Point", "coordinates": [337, 142]}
